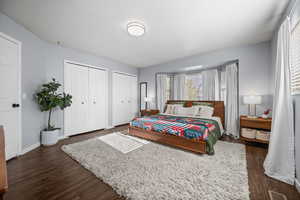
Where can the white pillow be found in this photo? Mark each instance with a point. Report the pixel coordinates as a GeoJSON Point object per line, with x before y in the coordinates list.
{"type": "Point", "coordinates": [176, 107]}
{"type": "Point", "coordinates": [170, 109]}
{"type": "Point", "coordinates": [204, 111]}
{"type": "Point", "coordinates": [185, 111]}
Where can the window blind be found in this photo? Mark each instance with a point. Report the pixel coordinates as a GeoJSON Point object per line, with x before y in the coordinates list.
{"type": "Point", "coordinates": [295, 60]}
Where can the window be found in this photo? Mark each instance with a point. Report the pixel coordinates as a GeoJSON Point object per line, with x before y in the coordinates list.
{"type": "Point", "coordinates": [194, 87]}
{"type": "Point", "coordinates": [295, 60]}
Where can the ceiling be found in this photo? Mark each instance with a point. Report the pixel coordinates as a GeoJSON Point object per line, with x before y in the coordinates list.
{"type": "Point", "coordinates": [174, 28]}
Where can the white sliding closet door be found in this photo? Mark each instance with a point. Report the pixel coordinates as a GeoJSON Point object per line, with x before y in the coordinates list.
{"type": "Point", "coordinates": [124, 98]}
{"type": "Point", "coordinates": [97, 98]}
{"type": "Point", "coordinates": [118, 99]}
{"type": "Point", "coordinates": [133, 97]}
{"type": "Point", "coordinates": [88, 87]}
{"type": "Point", "coordinates": [76, 84]}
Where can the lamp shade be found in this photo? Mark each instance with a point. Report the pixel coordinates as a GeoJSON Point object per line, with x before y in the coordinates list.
{"type": "Point", "coordinates": [148, 99]}
{"type": "Point", "coordinates": [252, 99]}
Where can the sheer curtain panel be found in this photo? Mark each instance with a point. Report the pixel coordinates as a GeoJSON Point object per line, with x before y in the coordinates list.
{"type": "Point", "coordinates": [161, 84]}
{"type": "Point", "coordinates": [210, 85]}
{"type": "Point", "coordinates": [179, 87]}
{"type": "Point", "coordinates": [280, 160]}
{"type": "Point", "coordinates": [231, 111]}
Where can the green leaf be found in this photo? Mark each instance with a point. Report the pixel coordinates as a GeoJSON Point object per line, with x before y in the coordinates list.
{"type": "Point", "coordinates": [48, 98]}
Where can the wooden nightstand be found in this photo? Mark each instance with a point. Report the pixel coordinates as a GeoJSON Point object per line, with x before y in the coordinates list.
{"type": "Point", "coordinates": [149, 112]}
{"type": "Point", "coordinates": [255, 123]}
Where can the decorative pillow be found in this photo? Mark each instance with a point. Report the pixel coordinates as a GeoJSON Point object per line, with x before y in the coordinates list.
{"type": "Point", "coordinates": [176, 108]}
{"type": "Point", "coordinates": [203, 104]}
{"type": "Point", "coordinates": [168, 109]}
{"type": "Point", "coordinates": [183, 111]}
{"type": "Point", "coordinates": [188, 104]}
{"type": "Point", "coordinates": [204, 111]}
{"type": "Point", "coordinates": [171, 109]}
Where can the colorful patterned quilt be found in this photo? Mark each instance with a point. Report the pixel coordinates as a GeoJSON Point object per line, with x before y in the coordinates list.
{"type": "Point", "coordinates": [191, 128]}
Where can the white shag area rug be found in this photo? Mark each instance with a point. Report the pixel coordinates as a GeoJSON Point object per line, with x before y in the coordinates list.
{"type": "Point", "coordinates": [155, 171]}
{"type": "Point", "coordinates": [122, 143]}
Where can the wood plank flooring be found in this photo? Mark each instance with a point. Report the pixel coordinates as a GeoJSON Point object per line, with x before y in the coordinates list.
{"type": "Point", "coordinates": [48, 174]}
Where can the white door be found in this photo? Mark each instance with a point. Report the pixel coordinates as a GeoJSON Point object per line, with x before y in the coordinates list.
{"type": "Point", "coordinates": [10, 94]}
{"type": "Point", "coordinates": [97, 99]}
{"type": "Point", "coordinates": [76, 84]}
{"type": "Point", "coordinates": [125, 108]}
{"type": "Point", "coordinates": [124, 98]}
{"type": "Point", "coordinates": [118, 99]}
{"type": "Point", "coordinates": [134, 101]}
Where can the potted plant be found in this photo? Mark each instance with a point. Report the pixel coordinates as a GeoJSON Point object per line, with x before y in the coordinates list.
{"type": "Point", "coordinates": [49, 99]}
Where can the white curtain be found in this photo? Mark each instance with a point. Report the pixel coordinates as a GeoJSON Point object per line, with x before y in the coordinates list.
{"type": "Point", "coordinates": [280, 160]}
{"type": "Point", "coordinates": [210, 85]}
{"type": "Point", "coordinates": [161, 84]}
{"type": "Point", "coordinates": [178, 87]}
{"type": "Point", "coordinates": [231, 114]}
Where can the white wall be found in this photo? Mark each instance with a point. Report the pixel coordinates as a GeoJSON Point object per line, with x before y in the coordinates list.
{"type": "Point", "coordinates": [254, 70]}
{"type": "Point", "coordinates": [40, 62]}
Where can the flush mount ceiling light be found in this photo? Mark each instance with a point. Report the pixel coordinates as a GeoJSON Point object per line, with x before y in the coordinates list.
{"type": "Point", "coordinates": [136, 29]}
{"type": "Point", "coordinates": [193, 68]}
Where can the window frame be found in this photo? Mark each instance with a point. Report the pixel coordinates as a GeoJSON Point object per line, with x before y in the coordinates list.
{"type": "Point", "coordinates": [295, 90]}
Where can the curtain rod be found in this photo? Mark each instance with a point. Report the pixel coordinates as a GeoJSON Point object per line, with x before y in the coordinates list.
{"type": "Point", "coordinates": [203, 69]}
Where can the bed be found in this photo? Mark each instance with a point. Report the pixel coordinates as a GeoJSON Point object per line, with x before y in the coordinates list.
{"type": "Point", "coordinates": [190, 133]}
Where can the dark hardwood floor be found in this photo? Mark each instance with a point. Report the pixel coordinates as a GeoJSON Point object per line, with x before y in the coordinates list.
{"type": "Point", "coordinates": [48, 173]}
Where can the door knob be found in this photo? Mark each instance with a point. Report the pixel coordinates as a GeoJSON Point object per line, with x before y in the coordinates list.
{"type": "Point", "coordinates": [15, 105]}
{"type": "Point", "coordinates": [82, 102]}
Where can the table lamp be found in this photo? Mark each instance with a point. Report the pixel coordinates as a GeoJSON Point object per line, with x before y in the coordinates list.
{"type": "Point", "coordinates": [252, 100]}
{"type": "Point", "coordinates": [148, 100]}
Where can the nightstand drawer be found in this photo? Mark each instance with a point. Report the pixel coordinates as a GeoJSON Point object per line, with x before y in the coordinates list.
{"type": "Point", "coordinates": [256, 124]}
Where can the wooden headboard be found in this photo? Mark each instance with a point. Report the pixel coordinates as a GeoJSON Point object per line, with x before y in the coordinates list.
{"type": "Point", "coordinates": [219, 108]}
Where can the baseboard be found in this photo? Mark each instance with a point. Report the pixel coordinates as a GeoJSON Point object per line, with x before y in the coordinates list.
{"type": "Point", "coordinates": [109, 127]}
{"type": "Point", "coordinates": [297, 184]}
{"type": "Point", "coordinates": [61, 137]}
{"type": "Point", "coordinates": [30, 148]}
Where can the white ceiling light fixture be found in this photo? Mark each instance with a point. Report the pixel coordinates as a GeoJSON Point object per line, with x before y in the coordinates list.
{"type": "Point", "coordinates": [193, 68]}
{"type": "Point", "coordinates": [136, 29]}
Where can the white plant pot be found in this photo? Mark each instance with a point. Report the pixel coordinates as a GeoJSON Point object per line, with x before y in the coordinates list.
{"type": "Point", "coordinates": [50, 137]}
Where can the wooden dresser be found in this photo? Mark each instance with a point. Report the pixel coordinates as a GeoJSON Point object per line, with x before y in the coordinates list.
{"type": "Point", "coordinates": [255, 123]}
{"type": "Point", "coordinates": [3, 170]}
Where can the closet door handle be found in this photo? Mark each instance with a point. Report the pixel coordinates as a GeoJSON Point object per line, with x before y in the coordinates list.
{"type": "Point", "coordinates": [82, 102]}
{"type": "Point", "coordinates": [15, 105]}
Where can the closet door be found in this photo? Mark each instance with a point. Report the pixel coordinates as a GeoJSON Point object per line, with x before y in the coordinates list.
{"type": "Point", "coordinates": [127, 99]}
{"type": "Point", "coordinates": [124, 98]}
{"type": "Point", "coordinates": [118, 98]}
{"type": "Point", "coordinates": [131, 98]}
{"type": "Point", "coordinates": [133, 92]}
{"type": "Point", "coordinates": [76, 84]}
{"type": "Point", "coordinates": [97, 99]}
